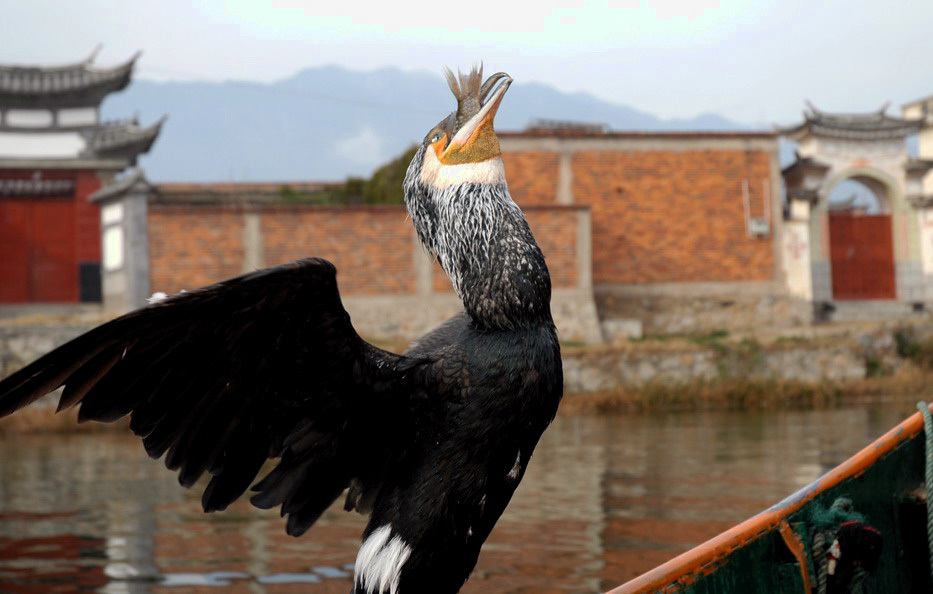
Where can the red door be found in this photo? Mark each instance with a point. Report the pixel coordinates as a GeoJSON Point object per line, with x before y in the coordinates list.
{"type": "Point", "coordinates": [37, 251]}
{"type": "Point", "coordinates": [862, 256]}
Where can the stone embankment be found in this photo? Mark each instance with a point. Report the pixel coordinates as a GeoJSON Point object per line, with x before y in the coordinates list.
{"type": "Point", "coordinates": [836, 353]}
{"type": "Point", "coordinates": [823, 353]}
{"type": "Point", "coordinates": [607, 369]}
{"type": "Point", "coordinates": [21, 343]}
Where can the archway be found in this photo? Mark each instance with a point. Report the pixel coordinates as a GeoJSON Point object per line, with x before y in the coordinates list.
{"type": "Point", "coordinates": [861, 239]}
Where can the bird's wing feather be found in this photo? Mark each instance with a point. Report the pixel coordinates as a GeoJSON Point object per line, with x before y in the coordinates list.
{"type": "Point", "coordinates": [220, 379]}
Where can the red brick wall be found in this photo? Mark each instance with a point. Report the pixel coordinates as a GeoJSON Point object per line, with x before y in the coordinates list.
{"type": "Point", "coordinates": [663, 216]}
{"type": "Point", "coordinates": [372, 247]}
{"type": "Point", "coordinates": [191, 247]}
{"type": "Point", "coordinates": [532, 176]}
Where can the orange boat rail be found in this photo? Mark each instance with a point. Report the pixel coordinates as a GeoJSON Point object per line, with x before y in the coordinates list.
{"type": "Point", "coordinates": [684, 569]}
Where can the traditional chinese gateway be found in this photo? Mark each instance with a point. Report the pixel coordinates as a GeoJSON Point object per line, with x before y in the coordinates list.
{"type": "Point", "coordinates": [55, 152]}
{"type": "Point", "coordinates": [845, 254]}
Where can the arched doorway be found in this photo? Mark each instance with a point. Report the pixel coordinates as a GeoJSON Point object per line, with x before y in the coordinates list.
{"type": "Point", "coordinates": [860, 240]}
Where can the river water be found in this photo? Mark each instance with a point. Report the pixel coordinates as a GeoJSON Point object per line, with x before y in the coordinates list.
{"type": "Point", "coordinates": [604, 499]}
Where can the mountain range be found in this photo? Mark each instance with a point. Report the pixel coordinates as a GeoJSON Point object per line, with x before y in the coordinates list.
{"type": "Point", "coordinates": [327, 123]}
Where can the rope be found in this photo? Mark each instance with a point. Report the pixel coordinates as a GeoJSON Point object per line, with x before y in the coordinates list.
{"type": "Point", "coordinates": [928, 429]}
{"type": "Point", "coordinates": [819, 561]}
{"type": "Point", "coordinates": [825, 524]}
{"type": "Point", "coordinates": [859, 582]}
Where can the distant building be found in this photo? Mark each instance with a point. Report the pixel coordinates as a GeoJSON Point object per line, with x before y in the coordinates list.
{"type": "Point", "coordinates": [851, 261]}
{"type": "Point", "coordinates": [54, 154]}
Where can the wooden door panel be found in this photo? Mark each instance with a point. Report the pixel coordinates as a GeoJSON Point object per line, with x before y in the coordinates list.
{"type": "Point", "coordinates": [54, 275]}
{"type": "Point", "coordinates": [14, 251]}
{"type": "Point", "coordinates": [37, 251]}
{"type": "Point", "coordinates": [53, 263]}
{"type": "Point", "coordinates": [14, 273]}
{"type": "Point", "coordinates": [862, 256]}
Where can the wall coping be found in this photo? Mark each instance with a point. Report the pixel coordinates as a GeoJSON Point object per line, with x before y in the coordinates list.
{"type": "Point", "coordinates": [363, 208]}
{"type": "Point", "coordinates": [637, 142]}
{"type": "Point", "coordinates": [637, 134]}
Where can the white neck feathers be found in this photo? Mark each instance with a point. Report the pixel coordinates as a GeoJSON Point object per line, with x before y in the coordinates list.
{"type": "Point", "coordinates": [440, 176]}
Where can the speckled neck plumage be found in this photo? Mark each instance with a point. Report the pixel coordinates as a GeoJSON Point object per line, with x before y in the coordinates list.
{"type": "Point", "coordinates": [483, 243]}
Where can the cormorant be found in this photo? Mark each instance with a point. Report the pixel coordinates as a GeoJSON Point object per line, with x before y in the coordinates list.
{"type": "Point", "coordinates": [430, 443]}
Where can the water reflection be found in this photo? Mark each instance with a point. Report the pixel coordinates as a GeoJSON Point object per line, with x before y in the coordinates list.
{"type": "Point", "coordinates": [604, 500]}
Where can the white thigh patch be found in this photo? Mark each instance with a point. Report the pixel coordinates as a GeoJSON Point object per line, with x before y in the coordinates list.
{"type": "Point", "coordinates": [380, 560]}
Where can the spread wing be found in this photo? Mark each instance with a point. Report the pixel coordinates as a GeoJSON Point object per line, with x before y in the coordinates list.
{"type": "Point", "coordinates": [220, 379]}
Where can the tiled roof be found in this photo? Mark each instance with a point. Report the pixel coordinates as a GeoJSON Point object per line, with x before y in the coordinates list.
{"type": "Point", "coordinates": [242, 193]}
{"type": "Point", "coordinates": [123, 138]}
{"type": "Point", "coordinates": [803, 163]}
{"type": "Point", "coordinates": [673, 135]}
{"type": "Point", "coordinates": [918, 166]}
{"type": "Point", "coordinates": [860, 126]}
{"type": "Point", "coordinates": [36, 187]}
{"type": "Point", "coordinates": [135, 178]}
{"type": "Point", "coordinates": [33, 85]}
{"type": "Point", "coordinates": [233, 187]}
{"type": "Point", "coordinates": [543, 125]}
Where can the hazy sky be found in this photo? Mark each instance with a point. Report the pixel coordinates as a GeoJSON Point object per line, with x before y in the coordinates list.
{"type": "Point", "coordinates": [751, 61]}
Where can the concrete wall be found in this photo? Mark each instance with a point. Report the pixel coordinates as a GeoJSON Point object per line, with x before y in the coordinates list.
{"type": "Point", "coordinates": [390, 286]}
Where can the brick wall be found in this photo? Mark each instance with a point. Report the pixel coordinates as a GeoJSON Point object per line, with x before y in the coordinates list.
{"type": "Point", "coordinates": [532, 176]}
{"type": "Point", "coordinates": [666, 208]}
{"type": "Point", "coordinates": [372, 247]}
{"type": "Point", "coordinates": [664, 216]}
{"type": "Point", "coordinates": [190, 247]}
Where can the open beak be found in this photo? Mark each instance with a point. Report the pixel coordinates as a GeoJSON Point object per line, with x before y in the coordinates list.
{"type": "Point", "coordinates": [476, 140]}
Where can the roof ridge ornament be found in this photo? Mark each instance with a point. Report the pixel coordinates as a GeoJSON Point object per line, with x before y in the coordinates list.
{"type": "Point", "coordinates": [872, 125]}
{"type": "Point", "coordinates": [813, 110]}
{"type": "Point", "coordinates": [94, 53]}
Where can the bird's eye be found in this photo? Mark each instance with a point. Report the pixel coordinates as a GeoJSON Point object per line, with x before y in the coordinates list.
{"type": "Point", "coordinates": [436, 136]}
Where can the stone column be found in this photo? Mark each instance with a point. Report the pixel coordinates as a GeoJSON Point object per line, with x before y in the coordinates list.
{"type": "Point", "coordinates": [923, 207]}
{"type": "Point", "coordinates": [565, 178]}
{"type": "Point", "coordinates": [124, 242]}
{"type": "Point", "coordinates": [254, 256]}
{"type": "Point", "coordinates": [796, 250]}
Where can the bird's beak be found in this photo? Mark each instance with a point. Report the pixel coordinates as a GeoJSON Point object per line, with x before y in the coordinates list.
{"type": "Point", "coordinates": [476, 140]}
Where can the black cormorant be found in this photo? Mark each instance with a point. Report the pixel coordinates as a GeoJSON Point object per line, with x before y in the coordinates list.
{"type": "Point", "coordinates": [430, 443]}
